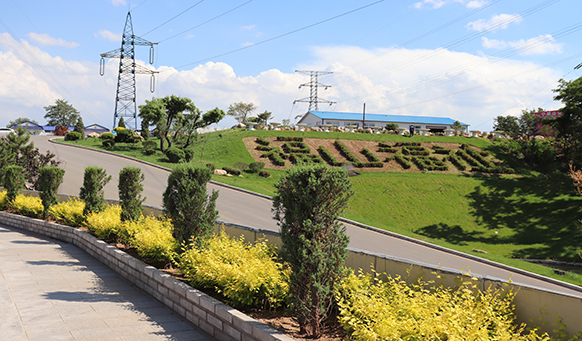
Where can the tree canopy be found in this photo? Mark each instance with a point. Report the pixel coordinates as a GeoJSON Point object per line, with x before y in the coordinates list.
{"type": "Point", "coordinates": [176, 119]}
{"type": "Point", "coordinates": [61, 114]}
{"type": "Point", "coordinates": [19, 121]}
{"type": "Point", "coordinates": [241, 111]}
{"type": "Point", "coordinates": [569, 125]}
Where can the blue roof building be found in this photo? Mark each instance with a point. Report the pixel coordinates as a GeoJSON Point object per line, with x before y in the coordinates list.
{"type": "Point", "coordinates": [342, 119]}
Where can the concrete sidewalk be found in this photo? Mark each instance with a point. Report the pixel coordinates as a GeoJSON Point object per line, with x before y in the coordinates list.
{"type": "Point", "coordinates": [51, 290]}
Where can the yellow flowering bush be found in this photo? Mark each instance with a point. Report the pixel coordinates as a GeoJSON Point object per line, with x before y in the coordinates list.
{"type": "Point", "coordinates": [245, 274]}
{"type": "Point", "coordinates": [374, 309]}
{"type": "Point", "coordinates": [28, 206]}
{"type": "Point", "coordinates": [151, 237]}
{"type": "Point", "coordinates": [105, 224]}
{"type": "Point", "coordinates": [70, 212]}
{"type": "Point", "coordinates": [3, 203]}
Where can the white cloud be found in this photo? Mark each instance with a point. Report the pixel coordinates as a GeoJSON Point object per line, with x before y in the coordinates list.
{"type": "Point", "coordinates": [108, 35]}
{"type": "Point", "coordinates": [247, 44]}
{"type": "Point", "coordinates": [189, 36]}
{"type": "Point", "coordinates": [443, 85]}
{"type": "Point", "coordinates": [496, 22]}
{"type": "Point", "coordinates": [435, 4]}
{"type": "Point", "coordinates": [544, 44]}
{"type": "Point", "coordinates": [119, 2]}
{"type": "Point", "coordinates": [44, 39]}
{"type": "Point", "coordinates": [248, 27]}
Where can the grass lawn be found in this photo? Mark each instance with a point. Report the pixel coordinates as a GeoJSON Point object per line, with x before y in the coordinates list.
{"type": "Point", "coordinates": [507, 216]}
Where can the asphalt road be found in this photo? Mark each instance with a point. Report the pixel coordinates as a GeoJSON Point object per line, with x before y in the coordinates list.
{"type": "Point", "coordinates": [241, 208]}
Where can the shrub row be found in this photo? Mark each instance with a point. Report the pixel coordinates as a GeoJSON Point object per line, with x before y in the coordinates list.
{"type": "Point", "coordinates": [264, 148]}
{"type": "Point", "coordinates": [327, 157]}
{"type": "Point", "coordinates": [345, 152]}
{"type": "Point", "coordinates": [387, 149]}
{"type": "Point", "coordinates": [402, 160]}
{"type": "Point", "coordinates": [441, 150]}
{"type": "Point", "coordinates": [369, 155]}
{"type": "Point", "coordinates": [289, 138]}
{"type": "Point", "coordinates": [478, 156]}
{"type": "Point", "coordinates": [415, 151]}
{"type": "Point", "coordinates": [296, 147]}
{"type": "Point", "coordinates": [457, 162]}
{"type": "Point", "coordinates": [403, 144]}
{"type": "Point", "coordinates": [429, 163]}
{"type": "Point", "coordinates": [384, 145]}
{"type": "Point", "coordinates": [275, 156]}
{"type": "Point", "coordinates": [262, 141]}
{"type": "Point", "coordinates": [296, 158]}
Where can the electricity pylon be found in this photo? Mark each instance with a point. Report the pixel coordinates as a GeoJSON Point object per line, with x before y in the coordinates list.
{"type": "Point", "coordinates": [313, 100]}
{"type": "Point", "coordinates": [125, 104]}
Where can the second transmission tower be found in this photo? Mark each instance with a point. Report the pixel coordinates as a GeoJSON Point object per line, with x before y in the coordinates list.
{"type": "Point", "coordinates": [125, 104]}
{"type": "Point", "coordinates": [313, 100]}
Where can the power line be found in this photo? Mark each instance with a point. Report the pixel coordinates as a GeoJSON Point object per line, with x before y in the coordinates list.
{"type": "Point", "coordinates": [174, 17]}
{"type": "Point", "coordinates": [283, 35]}
{"type": "Point", "coordinates": [207, 21]}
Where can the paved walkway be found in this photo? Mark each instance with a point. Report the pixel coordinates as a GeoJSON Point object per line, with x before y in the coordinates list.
{"type": "Point", "coordinates": [51, 290]}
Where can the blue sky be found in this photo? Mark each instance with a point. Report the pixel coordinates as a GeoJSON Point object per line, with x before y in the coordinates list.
{"type": "Point", "coordinates": [470, 60]}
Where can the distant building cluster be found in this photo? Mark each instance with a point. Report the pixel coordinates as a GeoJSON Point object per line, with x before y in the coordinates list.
{"type": "Point", "coordinates": [37, 129]}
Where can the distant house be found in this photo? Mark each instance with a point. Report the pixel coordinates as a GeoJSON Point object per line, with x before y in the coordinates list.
{"type": "Point", "coordinates": [95, 128]}
{"type": "Point", "coordinates": [31, 127]}
{"type": "Point", "coordinates": [342, 119]}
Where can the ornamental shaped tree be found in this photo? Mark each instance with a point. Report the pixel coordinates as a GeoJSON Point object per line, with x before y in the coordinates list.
{"type": "Point", "coordinates": [49, 180]}
{"type": "Point", "coordinates": [94, 181]}
{"type": "Point", "coordinates": [130, 188]}
{"type": "Point", "coordinates": [185, 201]}
{"type": "Point", "coordinates": [309, 199]}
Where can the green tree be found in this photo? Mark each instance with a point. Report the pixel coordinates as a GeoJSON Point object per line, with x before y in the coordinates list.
{"type": "Point", "coordinates": [61, 114]}
{"type": "Point", "coordinates": [569, 125]}
{"type": "Point", "coordinates": [457, 126]}
{"type": "Point", "coordinates": [13, 181]}
{"type": "Point", "coordinates": [176, 118]}
{"type": "Point", "coordinates": [263, 118]}
{"type": "Point", "coordinates": [49, 179]}
{"type": "Point", "coordinates": [80, 127]}
{"type": "Point", "coordinates": [191, 209]}
{"type": "Point", "coordinates": [241, 111]}
{"type": "Point", "coordinates": [94, 181]}
{"type": "Point", "coordinates": [508, 124]}
{"type": "Point", "coordinates": [528, 122]}
{"type": "Point", "coordinates": [308, 202]}
{"type": "Point", "coordinates": [130, 188]}
{"type": "Point", "coordinates": [19, 121]}
{"type": "Point", "coordinates": [121, 122]}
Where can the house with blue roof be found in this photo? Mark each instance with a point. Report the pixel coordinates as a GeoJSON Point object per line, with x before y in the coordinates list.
{"type": "Point", "coordinates": [343, 119]}
{"type": "Point", "coordinates": [37, 129]}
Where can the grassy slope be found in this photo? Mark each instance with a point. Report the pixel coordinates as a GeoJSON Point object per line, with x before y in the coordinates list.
{"type": "Point", "coordinates": [533, 217]}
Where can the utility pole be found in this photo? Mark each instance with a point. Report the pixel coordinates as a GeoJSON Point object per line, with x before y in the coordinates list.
{"type": "Point", "coordinates": [125, 104]}
{"type": "Point", "coordinates": [313, 100]}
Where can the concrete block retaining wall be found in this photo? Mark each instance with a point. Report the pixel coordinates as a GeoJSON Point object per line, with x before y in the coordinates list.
{"type": "Point", "coordinates": [214, 317]}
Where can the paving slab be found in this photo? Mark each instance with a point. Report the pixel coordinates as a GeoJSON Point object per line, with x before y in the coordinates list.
{"type": "Point", "coordinates": [52, 290]}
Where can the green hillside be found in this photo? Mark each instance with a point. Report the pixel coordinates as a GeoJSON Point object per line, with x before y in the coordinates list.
{"type": "Point", "coordinates": [509, 216]}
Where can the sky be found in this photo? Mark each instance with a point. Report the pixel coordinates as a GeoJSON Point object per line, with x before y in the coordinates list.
{"type": "Point", "coordinates": [469, 60]}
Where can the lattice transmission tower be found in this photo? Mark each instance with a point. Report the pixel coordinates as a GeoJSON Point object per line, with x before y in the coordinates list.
{"type": "Point", "coordinates": [313, 84]}
{"type": "Point", "coordinates": [125, 104]}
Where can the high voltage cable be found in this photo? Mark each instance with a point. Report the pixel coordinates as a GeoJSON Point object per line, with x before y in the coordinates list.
{"type": "Point", "coordinates": [207, 21]}
{"type": "Point", "coordinates": [492, 82]}
{"type": "Point", "coordinates": [174, 17]}
{"type": "Point", "coordinates": [67, 65]}
{"type": "Point", "coordinates": [33, 57]}
{"type": "Point", "coordinates": [282, 35]}
{"type": "Point", "coordinates": [497, 57]}
{"type": "Point", "coordinates": [426, 34]}
{"type": "Point", "coordinates": [407, 63]}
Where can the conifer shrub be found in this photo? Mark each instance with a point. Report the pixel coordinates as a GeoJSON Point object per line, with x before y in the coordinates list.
{"type": "Point", "coordinates": [69, 212]}
{"type": "Point", "coordinates": [255, 167]}
{"type": "Point", "coordinates": [231, 170]}
{"type": "Point", "coordinates": [175, 155]}
{"type": "Point", "coordinates": [130, 188]}
{"type": "Point", "coordinates": [188, 154]}
{"type": "Point", "coordinates": [27, 205]}
{"type": "Point", "coordinates": [108, 143]}
{"type": "Point", "coordinates": [247, 275]}
{"type": "Point", "coordinates": [373, 307]}
{"type": "Point", "coordinates": [241, 166]}
{"type": "Point", "coordinates": [308, 202]}
{"type": "Point", "coordinates": [94, 180]}
{"type": "Point", "coordinates": [264, 174]}
{"type": "Point", "coordinates": [49, 180]}
{"type": "Point", "coordinates": [149, 147]}
{"type": "Point", "coordinates": [13, 181]}
{"type": "Point", "coordinates": [107, 136]}
{"type": "Point", "coordinates": [124, 136]}
{"type": "Point", "coordinates": [211, 166]}
{"type": "Point", "coordinates": [105, 224]}
{"type": "Point", "coordinates": [73, 136]}
{"type": "Point", "coordinates": [191, 210]}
